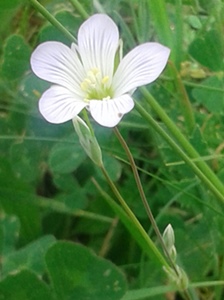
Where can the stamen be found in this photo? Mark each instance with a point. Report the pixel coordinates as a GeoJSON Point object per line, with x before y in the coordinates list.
{"type": "Point", "coordinates": [94, 85]}
{"type": "Point", "coordinates": [93, 74]}
{"type": "Point", "coordinates": [105, 79]}
{"type": "Point", "coordinates": [95, 71]}
{"type": "Point", "coordinates": [85, 84]}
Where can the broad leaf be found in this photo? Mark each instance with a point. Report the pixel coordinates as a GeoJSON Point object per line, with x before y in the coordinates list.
{"type": "Point", "coordinates": [77, 273]}
{"type": "Point", "coordinates": [24, 286]}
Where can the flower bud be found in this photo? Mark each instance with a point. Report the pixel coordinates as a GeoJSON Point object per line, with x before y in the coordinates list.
{"type": "Point", "coordinates": [169, 241]}
{"type": "Point", "coordinates": [88, 141]}
{"type": "Point", "coordinates": [168, 236]}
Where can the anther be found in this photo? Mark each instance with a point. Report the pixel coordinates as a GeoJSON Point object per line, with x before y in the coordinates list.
{"type": "Point", "coordinates": [105, 79]}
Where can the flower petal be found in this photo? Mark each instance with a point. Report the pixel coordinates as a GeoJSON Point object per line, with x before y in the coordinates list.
{"type": "Point", "coordinates": [140, 66]}
{"type": "Point", "coordinates": [108, 112]}
{"type": "Point", "coordinates": [98, 40]}
{"type": "Point", "coordinates": [59, 105]}
{"type": "Point", "coordinates": [57, 63]}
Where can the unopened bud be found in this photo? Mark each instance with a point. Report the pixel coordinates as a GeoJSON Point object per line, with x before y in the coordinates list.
{"type": "Point", "coordinates": [168, 236]}
{"type": "Point", "coordinates": [88, 141]}
{"type": "Point", "coordinates": [169, 241]}
{"type": "Point", "coordinates": [173, 253]}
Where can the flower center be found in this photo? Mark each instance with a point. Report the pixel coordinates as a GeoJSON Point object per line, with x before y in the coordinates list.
{"type": "Point", "coordinates": [96, 86]}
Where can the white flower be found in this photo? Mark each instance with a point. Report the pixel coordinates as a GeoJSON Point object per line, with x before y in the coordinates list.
{"type": "Point", "coordinates": [86, 76]}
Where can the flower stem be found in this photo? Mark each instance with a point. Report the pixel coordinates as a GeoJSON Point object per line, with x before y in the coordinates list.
{"type": "Point", "coordinates": [80, 8]}
{"type": "Point", "coordinates": [52, 20]}
{"type": "Point", "coordinates": [133, 218]}
{"type": "Point", "coordinates": [192, 158]}
{"type": "Point", "coordinates": [185, 293]}
{"type": "Point", "coordinates": [142, 195]}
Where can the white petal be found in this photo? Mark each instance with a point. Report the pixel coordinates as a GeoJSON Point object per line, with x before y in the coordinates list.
{"type": "Point", "coordinates": [140, 66]}
{"type": "Point", "coordinates": [57, 63]}
{"type": "Point", "coordinates": [59, 105]}
{"type": "Point", "coordinates": [98, 39]}
{"type": "Point", "coordinates": [109, 112]}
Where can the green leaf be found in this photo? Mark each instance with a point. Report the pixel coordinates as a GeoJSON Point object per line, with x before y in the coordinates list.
{"type": "Point", "coordinates": [203, 234]}
{"type": "Point", "coordinates": [77, 273]}
{"type": "Point", "coordinates": [16, 55]}
{"type": "Point", "coordinates": [207, 50]}
{"type": "Point", "coordinates": [113, 167]}
{"type": "Point", "coordinates": [129, 224]}
{"type": "Point", "coordinates": [143, 294]}
{"type": "Point", "coordinates": [73, 201]}
{"type": "Point", "coordinates": [8, 10]}
{"type": "Point", "coordinates": [24, 286]}
{"type": "Point", "coordinates": [198, 142]}
{"type": "Point", "coordinates": [9, 232]}
{"type": "Point", "coordinates": [24, 157]}
{"type": "Point", "coordinates": [68, 20]}
{"type": "Point", "coordinates": [132, 197]}
{"type": "Point", "coordinates": [16, 199]}
{"type": "Point", "coordinates": [31, 88]}
{"type": "Point", "coordinates": [211, 94]}
{"type": "Point", "coordinates": [170, 158]}
{"type": "Point", "coordinates": [5, 4]}
{"type": "Point", "coordinates": [66, 182]}
{"type": "Point", "coordinates": [30, 257]}
{"type": "Point", "coordinates": [66, 158]}
{"type": "Point", "coordinates": [194, 22]}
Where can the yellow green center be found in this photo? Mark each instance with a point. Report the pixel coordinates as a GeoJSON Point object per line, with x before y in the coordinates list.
{"type": "Point", "coordinates": [96, 86]}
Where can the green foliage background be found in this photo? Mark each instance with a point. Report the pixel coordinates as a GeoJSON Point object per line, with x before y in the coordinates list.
{"type": "Point", "coordinates": [59, 237]}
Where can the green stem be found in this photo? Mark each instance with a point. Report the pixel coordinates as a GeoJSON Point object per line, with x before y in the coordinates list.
{"type": "Point", "coordinates": [185, 102]}
{"type": "Point", "coordinates": [159, 15]}
{"type": "Point", "coordinates": [185, 293]}
{"type": "Point", "coordinates": [199, 166]}
{"type": "Point", "coordinates": [80, 8]}
{"type": "Point", "coordinates": [52, 20]}
{"type": "Point", "coordinates": [142, 195]}
{"type": "Point", "coordinates": [133, 218]}
{"type": "Point", "coordinates": [202, 86]}
{"type": "Point", "coordinates": [194, 165]}
{"type": "Point", "coordinates": [178, 34]}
